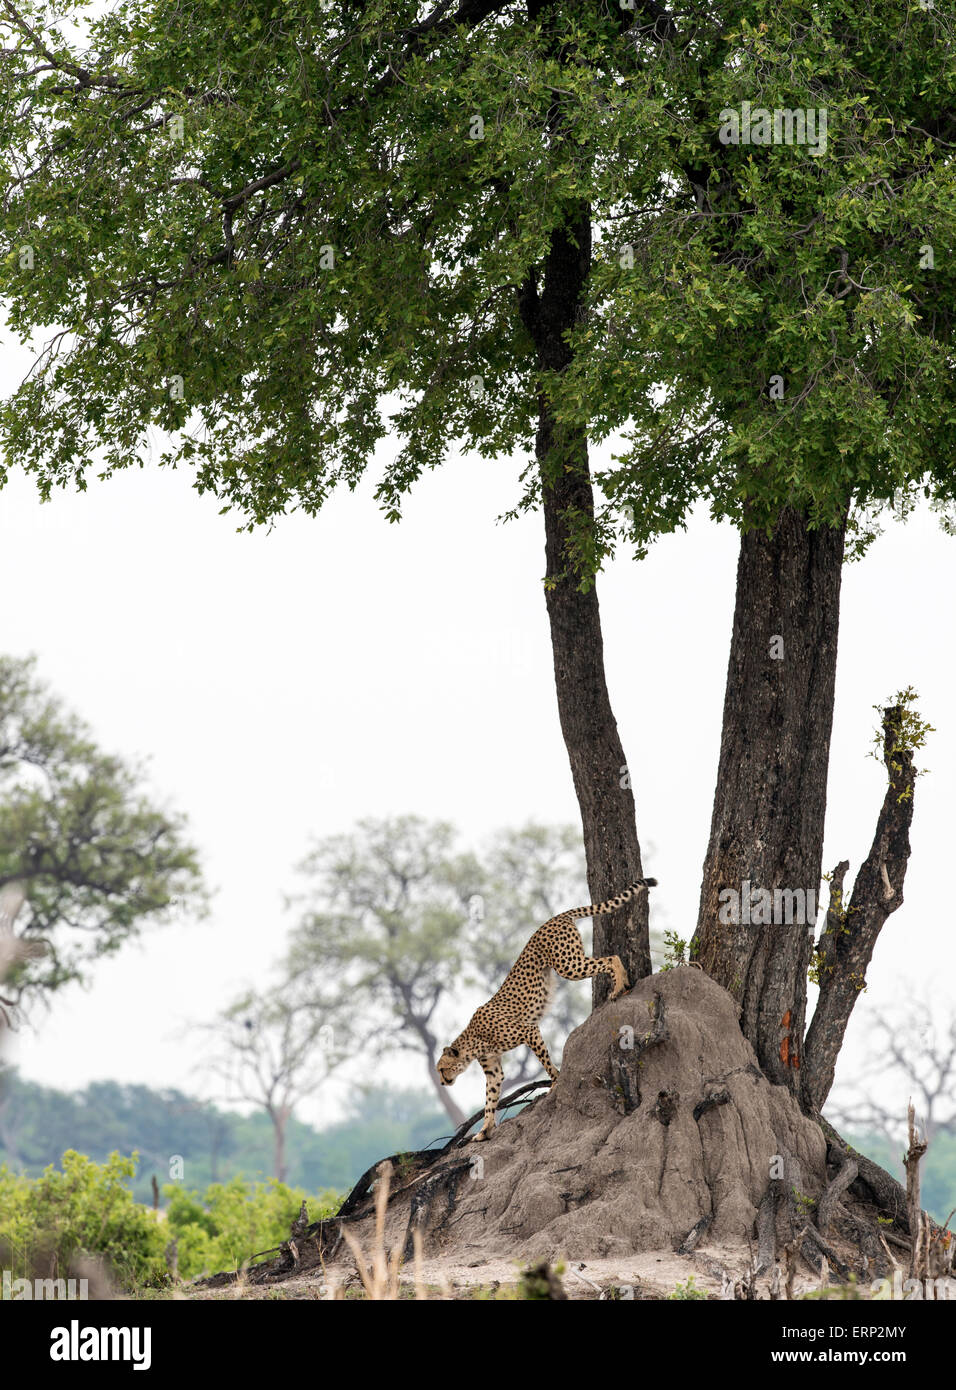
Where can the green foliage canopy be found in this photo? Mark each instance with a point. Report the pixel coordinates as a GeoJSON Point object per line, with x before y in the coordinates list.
{"type": "Point", "coordinates": [271, 235]}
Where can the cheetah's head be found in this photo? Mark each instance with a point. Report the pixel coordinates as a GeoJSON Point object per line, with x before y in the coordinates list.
{"type": "Point", "coordinates": [451, 1063]}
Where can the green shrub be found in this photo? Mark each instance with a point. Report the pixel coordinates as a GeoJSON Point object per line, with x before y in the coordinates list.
{"type": "Point", "coordinates": [88, 1209]}
{"type": "Point", "coordinates": [233, 1220]}
{"type": "Point", "coordinates": [687, 1291]}
{"type": "Point", "coordinates": [83, 1209]}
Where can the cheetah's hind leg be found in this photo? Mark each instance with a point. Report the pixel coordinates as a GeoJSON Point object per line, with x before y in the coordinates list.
{"type": "Point", "coordinates": [569, 960]}
{"type": "Point", "coordinates": [621, 982]}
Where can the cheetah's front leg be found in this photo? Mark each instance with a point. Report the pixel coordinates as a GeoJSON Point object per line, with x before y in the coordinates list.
{"type": "Point", "coordinates": [492, 1068]}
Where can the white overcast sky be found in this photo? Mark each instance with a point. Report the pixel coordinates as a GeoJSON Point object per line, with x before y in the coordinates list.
{"type": "Point", "coordinates": [285, 684]}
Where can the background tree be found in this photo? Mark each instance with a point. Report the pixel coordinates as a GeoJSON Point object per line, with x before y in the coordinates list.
{"type": "Point", "coordinates": [382, 923]}
{"type": "Point", "coordinates": [273, 1048]}
{"type": "Point", "coordinates": [911, 1054]}
{"type": "Point", "coordinates": [86, 859]}
{"type": "Point", "coordinates": [14, 950]}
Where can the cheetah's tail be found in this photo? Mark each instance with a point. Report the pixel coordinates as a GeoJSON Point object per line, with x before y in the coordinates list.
{"type": "Point", "coordinates": [612, 904]}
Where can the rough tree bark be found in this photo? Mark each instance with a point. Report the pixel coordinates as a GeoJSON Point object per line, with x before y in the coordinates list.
{"type": "Point", "coordinates": [596, 755]}
{"type": "Point", "coordinates": [769, 806]}
{"type": "Point", "coordinates": [846, 945]}
{"type": "Point", "coordinates": [550, 304]}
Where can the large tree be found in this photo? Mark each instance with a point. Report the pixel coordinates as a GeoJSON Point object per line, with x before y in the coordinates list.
{"type": "Point", "coordinates": [263, 232]}
{"type": "Point", "coordinates": [382, 920]}
{"type": "Point", "coordinates": [774, 336]}
{"type": "Point", "coordinates": [279, 235]}
{"type": "Point", "coordinates": [87, 857]}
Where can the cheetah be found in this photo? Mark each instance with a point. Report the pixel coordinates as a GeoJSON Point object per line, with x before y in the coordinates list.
{"type": "Point", "coordinates": [510, 1018]}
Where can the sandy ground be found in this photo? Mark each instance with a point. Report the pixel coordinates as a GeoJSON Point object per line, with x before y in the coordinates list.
{"type": "Point", "coordinates": [651, 1275]}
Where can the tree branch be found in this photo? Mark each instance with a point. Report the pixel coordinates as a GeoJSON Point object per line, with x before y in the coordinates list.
{"type": "Point", "coordinates": [849, 937]}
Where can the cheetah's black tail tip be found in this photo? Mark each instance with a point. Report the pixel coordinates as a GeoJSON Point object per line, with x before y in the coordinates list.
{"type": "Point", "coordinates": [645, 883]}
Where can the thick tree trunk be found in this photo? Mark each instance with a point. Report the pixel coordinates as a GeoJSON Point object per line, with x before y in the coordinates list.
{"type": "Point", "coordinates": [762, 870]}
{"type": "Point", "coordinates": [601, 779]}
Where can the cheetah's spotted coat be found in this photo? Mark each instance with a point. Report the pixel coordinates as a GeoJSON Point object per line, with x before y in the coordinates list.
{"type": "Point", "coordinates": [510, 1018]}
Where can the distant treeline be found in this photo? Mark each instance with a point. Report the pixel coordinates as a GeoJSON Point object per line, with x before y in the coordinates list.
{"type": "Point", "coordinates": [38, 1124]}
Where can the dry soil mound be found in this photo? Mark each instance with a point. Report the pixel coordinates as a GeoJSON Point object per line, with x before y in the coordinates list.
{"type": "Point", "coordinates": [660, 1128]}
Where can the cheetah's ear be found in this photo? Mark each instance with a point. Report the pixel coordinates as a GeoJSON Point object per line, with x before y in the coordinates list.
{"type": "Point", "coordinates": [453, 1051]}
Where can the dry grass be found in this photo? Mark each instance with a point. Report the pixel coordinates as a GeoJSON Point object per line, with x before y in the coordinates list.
{"type": "Point", "coordinates": [380, 1274]}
